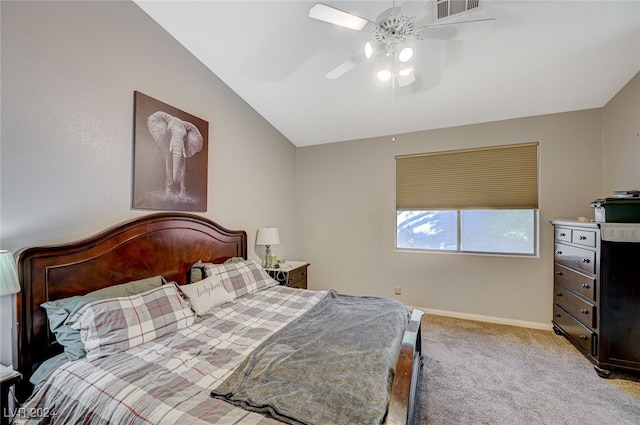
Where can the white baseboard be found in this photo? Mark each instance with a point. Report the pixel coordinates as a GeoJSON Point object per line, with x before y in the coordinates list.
{"type": "Point", "coordinates": [489, 319]}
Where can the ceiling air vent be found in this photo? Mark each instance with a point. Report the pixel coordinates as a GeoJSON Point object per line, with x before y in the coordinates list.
{"type": "Point", "coordinates": [446, 8]}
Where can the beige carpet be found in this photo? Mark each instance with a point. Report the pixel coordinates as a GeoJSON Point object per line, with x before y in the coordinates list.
{"type": "Point", "coordinates": [481, 373]}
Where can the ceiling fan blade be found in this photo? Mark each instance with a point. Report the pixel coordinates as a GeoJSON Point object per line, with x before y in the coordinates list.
{"type": "Point", "coordinates": [344, 67]}
{"type": "Point", "coordinates": [466, 30]}
{"type": "Point", "coordinates": [329, 14]}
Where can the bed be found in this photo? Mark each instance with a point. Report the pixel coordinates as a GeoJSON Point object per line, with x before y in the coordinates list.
{"type": "Point", "coordinates": [198, 372]}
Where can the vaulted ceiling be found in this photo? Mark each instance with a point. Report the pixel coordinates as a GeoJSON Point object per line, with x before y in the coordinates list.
{"type": "Point", "coordinates": [542, 57]}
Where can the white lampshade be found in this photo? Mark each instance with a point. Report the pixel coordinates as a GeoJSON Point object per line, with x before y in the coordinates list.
{"type": "Point", "coordinates": [268, 236]}
{"type": "Point", "coordinates": [8, 275]}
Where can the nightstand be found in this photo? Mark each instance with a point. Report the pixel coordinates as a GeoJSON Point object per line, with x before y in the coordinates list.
{"type": "Point", "coordinates": [8, 378]}
{"type": "Point", "coordinates": [290, 273]}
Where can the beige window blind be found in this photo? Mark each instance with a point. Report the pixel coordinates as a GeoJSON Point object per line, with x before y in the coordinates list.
{"type": "Point", "coordinates": [500, 177]}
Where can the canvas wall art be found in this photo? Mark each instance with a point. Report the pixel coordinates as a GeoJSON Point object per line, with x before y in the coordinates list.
{"type": "Point", "coordinates": [170, 157]}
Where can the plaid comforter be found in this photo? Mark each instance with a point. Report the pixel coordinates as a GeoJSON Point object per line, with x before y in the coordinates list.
{"type": "Point", "coordinates": [169, 380]}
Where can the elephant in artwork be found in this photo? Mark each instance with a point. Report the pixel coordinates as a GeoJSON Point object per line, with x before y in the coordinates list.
{"type": "Point", "coordinates": [178, 141]}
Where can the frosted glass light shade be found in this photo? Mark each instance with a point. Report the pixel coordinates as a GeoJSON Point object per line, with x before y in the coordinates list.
{"type": "Point", "coordinates": [405, 54]}
{"type": "Point", "coordinates": [368, 50]}
{"type": "Point", "coordinates": [384, 75]}
{"type": "Point", "coordinates": [8, 275]}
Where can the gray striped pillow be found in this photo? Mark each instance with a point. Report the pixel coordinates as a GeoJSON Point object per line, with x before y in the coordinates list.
{"type": "Point", "coordinates": [111, 325]}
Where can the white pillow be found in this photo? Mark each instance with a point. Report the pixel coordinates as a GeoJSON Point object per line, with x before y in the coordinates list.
{"type": "Point", "coordinates": [207, 294]}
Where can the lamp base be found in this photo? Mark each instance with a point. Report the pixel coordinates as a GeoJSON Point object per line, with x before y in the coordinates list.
{"type": "Point", "coordinates": [267, 256]}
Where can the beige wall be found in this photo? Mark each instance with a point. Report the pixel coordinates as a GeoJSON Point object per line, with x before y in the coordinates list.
{"type": "Point", "coordinates": [346, 214]}
{"type": "Point", "coordinates": [345, 220]}
{"type": "Point", "coordinates": [69, 70]}
{"type": "Point", "coordinates": [621, 154]}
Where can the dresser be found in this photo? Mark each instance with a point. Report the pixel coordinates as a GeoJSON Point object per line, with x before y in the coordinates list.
{"type": "Point", "coordinates": [291, 273]}
{"type": "Point", "coordinates": [596, 293]}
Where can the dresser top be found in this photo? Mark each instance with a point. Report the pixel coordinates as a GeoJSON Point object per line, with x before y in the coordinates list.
{"type": "Point", "coordinates": [612, 232]}
{"type": "Point", "coordinates": [574, 223]}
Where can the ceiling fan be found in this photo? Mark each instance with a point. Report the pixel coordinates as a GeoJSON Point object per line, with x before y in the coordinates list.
{"type": "Point", "coordinates": [395, 34]}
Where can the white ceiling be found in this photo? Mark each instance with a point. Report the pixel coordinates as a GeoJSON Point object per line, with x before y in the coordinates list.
{"type": "Point", "coordinates": [543, 57]}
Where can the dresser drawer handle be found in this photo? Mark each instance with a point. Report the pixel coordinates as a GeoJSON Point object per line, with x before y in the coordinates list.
{"type": "Point", "coordinates": [582, 238]}
{"type": "Point", "coordinates": [584, 311]}
{"type": "Point", "coordinates": [558, 252]}
{"type": "Point", "coordinates": [558, 294]}
{"type": "Point", "coordinates": [585, 286]}
{"type": "Point", "coordinates": [586, 260]}
{"type": "Point", "coordinates": [558, 315]}
{"type": "Point", "coordinates": [558, 273]}
{"type": "Point", "coordinates": [583, 337]}
{"type": "Point", "coordinates": [563, 234]}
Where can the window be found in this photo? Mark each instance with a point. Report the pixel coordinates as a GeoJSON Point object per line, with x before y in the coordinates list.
{"type": "Point", "coordinates": [480, 200]}
{"type": "Point", "coordinates": [481, 231]}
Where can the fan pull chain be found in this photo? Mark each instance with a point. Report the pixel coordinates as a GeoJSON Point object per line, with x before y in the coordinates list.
{"type": "Point", "coordinates": [393, 108]}
{"type": "Point", "coordinates": [393, 95]}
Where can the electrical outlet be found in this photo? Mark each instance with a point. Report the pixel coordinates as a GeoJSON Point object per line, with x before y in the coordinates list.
{"type": "Point", "coordinates": [398, 290]}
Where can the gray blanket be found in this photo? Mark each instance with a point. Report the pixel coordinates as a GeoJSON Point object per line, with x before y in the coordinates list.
{"type": "Point", "coordinates": [332, 366]}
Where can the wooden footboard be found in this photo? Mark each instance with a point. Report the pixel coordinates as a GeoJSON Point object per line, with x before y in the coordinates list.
{"type": "Point", "coordinates": [403, 392]}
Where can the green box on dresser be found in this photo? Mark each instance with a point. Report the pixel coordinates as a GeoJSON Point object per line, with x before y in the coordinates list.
{"type": "Point", "coordinates": [597, 291]}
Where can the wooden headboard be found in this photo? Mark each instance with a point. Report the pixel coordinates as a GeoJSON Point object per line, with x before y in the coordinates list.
{"type": "Point", "coordinates": [165, 244]}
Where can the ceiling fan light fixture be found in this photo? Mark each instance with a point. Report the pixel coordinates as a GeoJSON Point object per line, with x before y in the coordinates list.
{"type": "Point", "coordinates": [406, 53]}
{"type": "Point", "coordinates": [368, 50]}
{"type": "Point", "coordinates": [393, 32]}
{"type": "Point", "coordinates": [384, 75]}
{"type": "Point", "coordinates": [406, 77]}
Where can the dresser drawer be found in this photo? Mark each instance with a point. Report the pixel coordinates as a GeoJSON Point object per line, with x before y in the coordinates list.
{"type": "Point", "coordinates": [579, 283]}
{"type": "Point", "coordinates": [563, 234]}
{"type": "Point", "coordinates": [298, 278]}
{"type": "Point", "coordinates": [582, 335]}
{"type": "Point", "coordinates": [584, 237]}
{"type": "Point", "coordinates": [576, 258]}
{"type": "Point", "coordinates": [580, 309]}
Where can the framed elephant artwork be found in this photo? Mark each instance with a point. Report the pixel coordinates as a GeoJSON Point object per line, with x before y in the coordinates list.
{"type": "Point", "coordinates": [169, 157]}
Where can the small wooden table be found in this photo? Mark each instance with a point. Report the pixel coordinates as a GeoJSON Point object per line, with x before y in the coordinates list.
{"type": "Point", "coordinates": [8, 378]}
{"type": "Point", "coordinates": [290, 273]}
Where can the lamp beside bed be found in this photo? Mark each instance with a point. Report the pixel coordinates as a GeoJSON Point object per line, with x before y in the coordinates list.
{"type": "Point", "coordinates": [9, 286]}
{"type": "Point", "coordinates": [267, 236]}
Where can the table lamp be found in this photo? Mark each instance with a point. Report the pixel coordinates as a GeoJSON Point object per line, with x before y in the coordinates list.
{"type": "Point", "coordinates": [8, 286]}
{"type": "Point", "coordinates": [267, 236]}
{"type": "Point", "coordinates": [8, 275]}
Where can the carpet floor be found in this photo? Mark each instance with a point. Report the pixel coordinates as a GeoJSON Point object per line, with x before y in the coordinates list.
{"type": "Point", "coordinates": [482, 373]}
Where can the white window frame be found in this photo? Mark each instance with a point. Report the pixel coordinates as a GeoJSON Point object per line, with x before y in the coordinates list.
{"type": "Point", "coordinates": [459, 250]}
